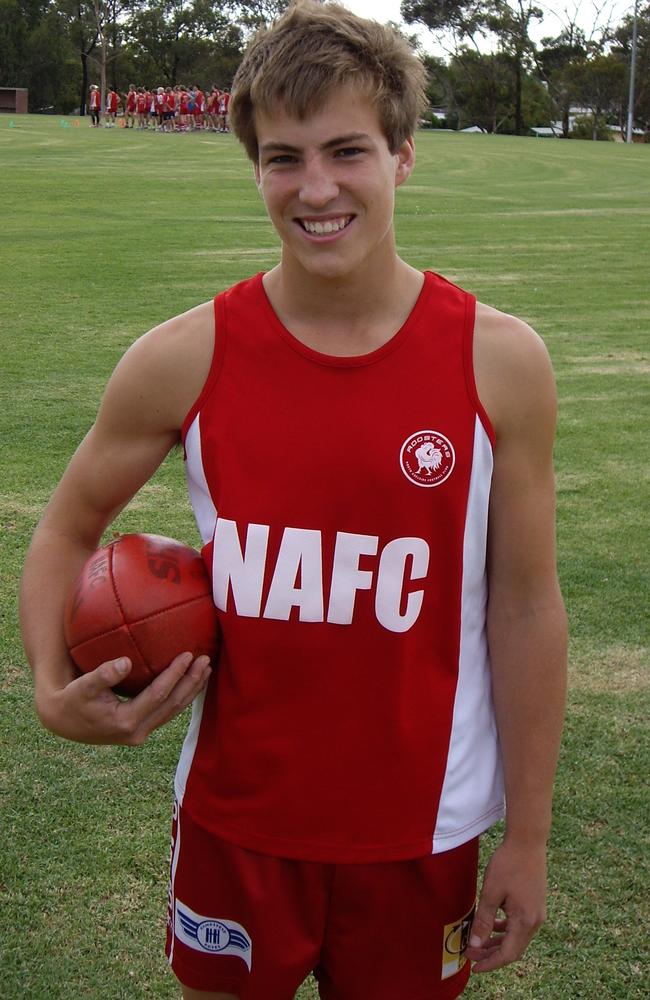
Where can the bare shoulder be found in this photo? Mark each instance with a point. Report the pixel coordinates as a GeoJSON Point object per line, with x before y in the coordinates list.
{"type": "Point", "coordinates": [163, 372]}
{"type": "Point", "coordinates": [513, 372]}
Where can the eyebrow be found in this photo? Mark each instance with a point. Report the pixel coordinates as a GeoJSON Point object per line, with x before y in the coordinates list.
{"type": "Point", "coordinates": [340, 140]}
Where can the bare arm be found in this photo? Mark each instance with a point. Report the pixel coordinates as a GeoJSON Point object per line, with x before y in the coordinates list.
{"type": "Point", "coordinates": [526, 630]}
{"type": "Point", "coordinates": [137, 424]}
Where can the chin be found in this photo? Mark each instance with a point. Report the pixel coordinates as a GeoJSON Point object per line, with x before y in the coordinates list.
{"type": "Point", "coordinates": [327, 267]}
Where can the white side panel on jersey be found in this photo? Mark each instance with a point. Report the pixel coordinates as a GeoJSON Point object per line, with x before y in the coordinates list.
{"type": "Point", "coordinates": [171, 891]}
{"type": "Point", "coordinates": [202, 505]}
{"type": "Point", "coordinates": [206, 515]}
{"type": "Point", "coordinates": [189, 748]}
{"type": "Point", "coordinates": [472, 793]}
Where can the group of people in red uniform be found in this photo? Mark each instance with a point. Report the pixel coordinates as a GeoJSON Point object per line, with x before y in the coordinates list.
{"type": "Point", "coordinates": [165, 109]}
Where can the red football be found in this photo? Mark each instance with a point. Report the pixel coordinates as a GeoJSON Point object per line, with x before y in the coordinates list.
{"type": "Point", "coordinates": [142, 596]}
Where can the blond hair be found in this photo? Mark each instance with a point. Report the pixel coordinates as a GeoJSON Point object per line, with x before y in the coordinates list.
{"type": "Point", "coordinates": [312, 50]}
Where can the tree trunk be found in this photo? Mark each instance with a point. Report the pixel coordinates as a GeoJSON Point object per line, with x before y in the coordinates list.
{"type": "Point", "coordinates": [84, 83]}
{"type": "Point", "coordinates": [519, 120]}
{"type": "Point", "coordinates": [114, 62]}
{"type": "Point", "coordinates": [102, 68]}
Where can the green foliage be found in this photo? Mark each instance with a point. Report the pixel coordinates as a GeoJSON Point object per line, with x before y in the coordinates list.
{"type": "Point", "coordinates": [482, 87]}
{"type": "Point", "coordinates": [589, 127]}
{"type": "Point", "coordinates": [45, 46]}
{"type": "Point", "coordinates": [621, 43]}
{"type": "Point", "coordinates": [501, 90]}
{"type": "Point", "coordinates": [170, 43]}
{"type": "Point", "coordinates": [52, 48]}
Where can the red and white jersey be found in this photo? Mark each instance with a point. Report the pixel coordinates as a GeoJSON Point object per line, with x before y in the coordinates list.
{"type": "Point", "coordinates": [95, 99]}
{"type": "Point", "coordinates": [343, 505]}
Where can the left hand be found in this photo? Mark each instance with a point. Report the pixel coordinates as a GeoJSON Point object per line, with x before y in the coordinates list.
{"type": "Point", "coordinates": [514, 882]}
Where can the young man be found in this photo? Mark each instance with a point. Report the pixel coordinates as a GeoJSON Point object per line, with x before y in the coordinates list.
{"type": "Point", "coordinates": [112, 104]}
{"type": "Point", "coordinates": [130, 102]}
{"type": "Point", "coordinates": [368, 453]}
{"type": "Point", "coordinates": [141, 108]}
{"type": "Point", "coordinates": [199, 106]}
{"type": "Point", "coordinates": [170, 112]}
{"type": "Point", "coordinates": [161, 108]}
{"type": "Point", "coordinates": [224, 102]}
{"type": "Point", "coordinates": [94, 103]}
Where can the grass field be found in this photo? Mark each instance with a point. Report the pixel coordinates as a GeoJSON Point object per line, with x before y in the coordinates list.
{"type": "Point", "coordinates": [104, 234]}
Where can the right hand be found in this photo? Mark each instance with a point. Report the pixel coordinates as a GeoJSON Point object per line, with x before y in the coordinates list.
{"type": "Point", "coordinates": [88, 711]}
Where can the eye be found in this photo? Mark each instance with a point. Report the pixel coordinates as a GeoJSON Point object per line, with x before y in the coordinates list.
{"type": "Point", "coordinates": [348, 151]}
{"type": "Point", "coordinates": [281, 159]}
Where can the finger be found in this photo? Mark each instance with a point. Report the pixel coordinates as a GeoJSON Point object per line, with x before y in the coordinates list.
{"type": "Point", "coordinates": [510, 947]}
{"type": "Point", "coordinates": [181, 692]}
{"type": "Point", "coordinates": [479, 954]}
{"type": "Point", "coordinates": [169, 694]}
{"type": "Point", "coordinates": [106, 676]}
{"type": "Point", "coordinates": [484, 921]}
{"type": "Point", "coordinates": [164, 683]}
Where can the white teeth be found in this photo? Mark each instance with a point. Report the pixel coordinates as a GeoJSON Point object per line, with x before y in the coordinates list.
{"type": "Point", "coordinates": [324, 228]}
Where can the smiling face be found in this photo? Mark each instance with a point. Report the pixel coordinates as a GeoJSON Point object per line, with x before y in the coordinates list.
{"type": "Point", "coordinates": [328, 184]}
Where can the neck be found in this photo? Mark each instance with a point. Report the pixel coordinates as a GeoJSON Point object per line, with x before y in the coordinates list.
{"type": "Point", "coordinates": [349, 315]}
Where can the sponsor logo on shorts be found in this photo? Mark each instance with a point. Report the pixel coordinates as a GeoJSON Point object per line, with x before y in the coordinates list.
{"type": "Point", "coordinates": [212, 935]}
{"type": "Point", "coordinates": [455, 939]}
{"type": "Point", "coordinates": [427, 458]}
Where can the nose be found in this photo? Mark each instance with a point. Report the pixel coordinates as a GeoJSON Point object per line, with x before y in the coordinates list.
{"type": "Point", "coordinates": [318, 186]}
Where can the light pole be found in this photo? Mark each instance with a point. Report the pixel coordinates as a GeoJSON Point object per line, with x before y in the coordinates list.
{"type": "Point", "coordinates": [630, 103]}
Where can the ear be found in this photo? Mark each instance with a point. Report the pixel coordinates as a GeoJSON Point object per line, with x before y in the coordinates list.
{"type": "Point", "coordinates": [256, 171]}
{"type": "Point", "coordinates": [404, 161]}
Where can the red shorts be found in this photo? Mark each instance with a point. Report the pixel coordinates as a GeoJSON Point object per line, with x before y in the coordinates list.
{"type": "Point", "coordinates": [256, 926]}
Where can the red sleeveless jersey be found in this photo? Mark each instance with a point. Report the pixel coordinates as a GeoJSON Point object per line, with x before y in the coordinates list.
{"type": "Point", "coordinates": [343, 505]}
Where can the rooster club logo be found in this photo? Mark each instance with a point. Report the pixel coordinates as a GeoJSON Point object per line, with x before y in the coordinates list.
{"type": "Point", "coordinates": [427, 458]}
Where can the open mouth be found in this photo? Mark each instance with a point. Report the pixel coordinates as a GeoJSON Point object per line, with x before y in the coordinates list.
{"type": "Point", "coordinates": [327, 227]}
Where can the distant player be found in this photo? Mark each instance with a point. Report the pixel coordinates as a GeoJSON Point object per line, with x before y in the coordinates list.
{"type": "Point", "coordinates": [160, 104]}
{"type": "Point", "coordinates": [211, 108]}
{"type": "Point", "coordinates": [199, 107]}
{"type": "Point", "coordinates": [184, 111]}
{"type": "Point", "coordinates": [130, 103]}
{"type": "Point", "coordinates": [95, 105]}
{"type": "Point", "coordinates": [170, 109]}
{"type": "Point", "coordinates": [224, 104]}
{"type": "Point", "coordinates": [112, 105]}
{"type": "Point", "coordinates": [382, 553]}
{"type": "Point", "coordinates": [141, 108]}
{"type": "Point", "coordinates": [152, 112]}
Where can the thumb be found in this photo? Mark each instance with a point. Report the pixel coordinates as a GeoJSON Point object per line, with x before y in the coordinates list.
{"type": "Point", "coordinates": [483, 923]}
{"type": "Point", "coordinates": [108, 674]}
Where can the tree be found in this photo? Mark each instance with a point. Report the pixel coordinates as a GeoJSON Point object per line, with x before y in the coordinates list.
{"type": "Point", "coordinates": [463, 19]}
{"type": "Point", "coordinates": [556, 62]}
{"type": "Point", "coordinates": [482, 87]}
{"type": "Point", "coordinates": [35, 52]}
{"type": "Point", "coordinates": [253, 14]}
{"type": "Point", "coordinates": [599, 85]}
{"type": "Point", "coordinates": [511, 24]}
{"type": "Point", "coordinates": [82, 30]}
{"type": "Point", "coordinates": [109, 25]}
{"type": "Point", "coordinates": [469, 22]}
{"type": "Point", "coordinates": [14, 42]}
{"type": "Point", "coordinates": [621, 46]}
{"type": "Point", "coordinates": [170, 38]}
